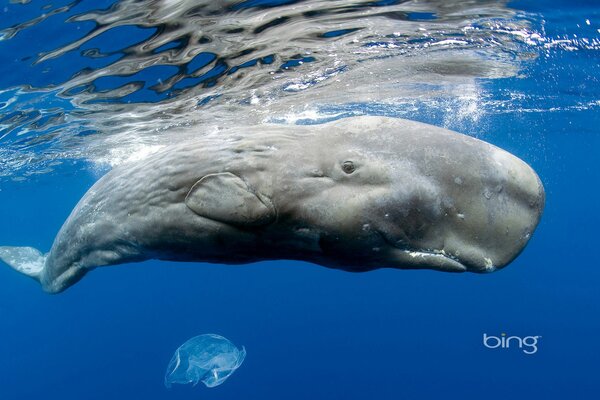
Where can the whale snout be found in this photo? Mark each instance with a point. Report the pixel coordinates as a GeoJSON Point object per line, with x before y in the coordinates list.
{"type": "Point", "coordinates": [504, 211]}
{"type": "Point", "coordinates": [474, 208]}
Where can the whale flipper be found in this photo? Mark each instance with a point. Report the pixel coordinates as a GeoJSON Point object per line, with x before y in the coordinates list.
{"type": "Point", "coordinates": [225, 197]}
{"type": "Point", "coordinates": [26, 260]}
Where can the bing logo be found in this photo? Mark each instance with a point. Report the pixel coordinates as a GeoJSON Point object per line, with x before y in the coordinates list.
{"type": "Point", "coordinates": [528, 343]}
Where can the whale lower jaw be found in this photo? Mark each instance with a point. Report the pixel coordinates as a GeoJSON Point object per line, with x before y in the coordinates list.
{"type": "Point", "coordinates": [437, 260]}
{"type": "Point", "coordinates": [440, 260]}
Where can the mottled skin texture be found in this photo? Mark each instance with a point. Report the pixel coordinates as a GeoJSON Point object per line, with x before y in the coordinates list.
{"type": "Point", "coordinates": [355, 194]}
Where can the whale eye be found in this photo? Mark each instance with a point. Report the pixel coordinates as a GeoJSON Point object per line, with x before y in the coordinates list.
{"type": "Point", "coordinates": [348, 167]}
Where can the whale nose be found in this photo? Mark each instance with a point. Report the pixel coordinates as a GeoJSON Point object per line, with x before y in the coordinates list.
{"type": "Point", "coordinates": [502, 217]}
{"type": "Point", "coordinates": [521, 210]}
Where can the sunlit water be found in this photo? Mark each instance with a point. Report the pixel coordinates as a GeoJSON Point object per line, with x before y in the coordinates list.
{"type": "Point", "coordinates": [101, 81]}
{"type": "Point", "coordinates": [87, 85]}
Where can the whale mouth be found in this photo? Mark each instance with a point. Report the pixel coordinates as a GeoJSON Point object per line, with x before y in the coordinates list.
{"type": "Point", "coordinates": [419, 259]}
{"type": "Point", "coordinates": [411, 258]}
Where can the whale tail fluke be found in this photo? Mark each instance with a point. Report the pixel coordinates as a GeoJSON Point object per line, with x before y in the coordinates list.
{"type": "Point", "coordinates": [26, 260]}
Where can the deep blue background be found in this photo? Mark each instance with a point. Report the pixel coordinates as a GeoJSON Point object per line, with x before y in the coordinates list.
{"type": "Point", "coordinates": [316, 333]}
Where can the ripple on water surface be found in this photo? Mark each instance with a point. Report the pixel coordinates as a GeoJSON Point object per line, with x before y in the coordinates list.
{"type": "Point", "coordinates": [101, 83]}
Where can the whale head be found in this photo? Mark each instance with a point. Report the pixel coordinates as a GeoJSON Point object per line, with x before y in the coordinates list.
{"type": "Point", "coordinates": [378, 192]}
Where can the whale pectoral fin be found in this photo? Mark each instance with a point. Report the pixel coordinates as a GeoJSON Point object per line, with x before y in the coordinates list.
{"type": "Point", "coordinates": [26, 260]}
{"type": "Point", "coordinates": [225, 197]}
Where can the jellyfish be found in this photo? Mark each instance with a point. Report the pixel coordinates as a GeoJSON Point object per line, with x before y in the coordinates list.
{"type": "Point", "coordinates": [208, 358]}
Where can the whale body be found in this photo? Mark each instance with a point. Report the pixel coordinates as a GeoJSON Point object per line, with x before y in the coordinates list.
{"type": "Point", "coordinates": [354, 194]}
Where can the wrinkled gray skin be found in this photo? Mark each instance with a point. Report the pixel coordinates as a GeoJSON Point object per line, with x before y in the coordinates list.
{"type": "Point", "coordinates": [419, 197]}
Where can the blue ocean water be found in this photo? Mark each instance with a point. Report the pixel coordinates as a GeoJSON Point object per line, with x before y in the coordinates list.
{"type": "Point", "coordinates": [527, 81]}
